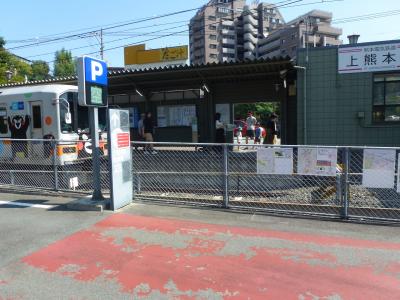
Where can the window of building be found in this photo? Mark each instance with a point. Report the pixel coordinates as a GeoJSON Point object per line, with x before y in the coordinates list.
{"type": "Point", "coordinates": [213, 37]}
{"type": "Point", "coordinates": [293, 36]}
{"type": "Point", "coordinates": [213, 56]}
{"type": "Point", "coordinates": [283, 41]}
{"type": "Point", "coordinates": [213, 46]}
{"type": "Point", "coordinates": [223, 10]}
{"type": "Point", "coordinates": [212, 18]}
{"type": "Point", "coordinates": [212, 27]}
{"type": "Point", "coordinates": [386, 100]}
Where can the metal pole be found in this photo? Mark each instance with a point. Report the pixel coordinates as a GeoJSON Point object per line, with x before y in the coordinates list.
{"type": "Point", "coordinates": [226, 176]}
{"type": "Point", "coordinates": [12, 179]}
{"type": "Point", "coordinates": [101, 44]}
{"type": "Point", "coordinates": [55, 167]}
{"type": "Point", "coordinates": [94, 132]}
{"type": "Point", "coordinates": [346, 166]}
{"type": "Point", "coordinates": [305, 107]}
{"type": "Point", "coordinates": [305, 86]}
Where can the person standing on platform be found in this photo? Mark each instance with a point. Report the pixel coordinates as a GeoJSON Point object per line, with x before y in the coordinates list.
{"type": "Point", "coordinates": [141, 129]}
{"type": "Point", "coordinates": [148, 129]}
{"type": "Point", "coordinates": [251, 122]}
{"type": "Point", "coordinates": [272, 130]}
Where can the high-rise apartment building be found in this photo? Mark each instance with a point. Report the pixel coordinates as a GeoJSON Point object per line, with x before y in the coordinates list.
{"type": "Point", "coordinates": [310, 30]}
{"type": "Point", "coordinates": [212, 31]}
{"type": "Point", "coordinates": [255, 23]}
{"type": "Point", "coordinates": [230, 30]}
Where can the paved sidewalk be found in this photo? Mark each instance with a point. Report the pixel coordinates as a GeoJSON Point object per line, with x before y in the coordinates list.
{"type": "Point", "coordinates": [156, 252]}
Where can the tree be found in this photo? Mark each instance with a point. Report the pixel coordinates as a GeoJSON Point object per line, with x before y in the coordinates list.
{"type": "Point", "coordinates": [40, 70]}
{"type": "Point", "coordinates": [2, 43]}
{"type": "Point", "coordinates": [19, 69]}
{"type": "Point", "coordinates": [261, 110]}
{"type": "Point", "coordinates": [64, 64]}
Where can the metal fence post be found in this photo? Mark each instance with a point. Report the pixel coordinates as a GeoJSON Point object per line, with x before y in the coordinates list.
{"type": "Point", "coordinates": [226, 176]}
{"type": "Point", "coordinates": [55, 166]}
{"type": "Point", "coordinates": [345, 212]}
{"type": "Point", "coordinates": [138, 183]}
{"type": "Point", "coordinates": [12, 178]}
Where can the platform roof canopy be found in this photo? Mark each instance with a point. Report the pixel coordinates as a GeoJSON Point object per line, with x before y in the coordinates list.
{"type": "Point", "coordinates": [188, 76]}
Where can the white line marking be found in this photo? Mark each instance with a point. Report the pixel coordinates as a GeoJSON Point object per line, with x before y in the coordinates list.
{"type": "Point", "coordinates": [26, 204]}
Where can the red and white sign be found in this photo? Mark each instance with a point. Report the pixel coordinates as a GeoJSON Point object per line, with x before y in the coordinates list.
{"type": "Point", "coordinates": [123, 140]}
{"type": "Point", "coordinates": [369, 58]}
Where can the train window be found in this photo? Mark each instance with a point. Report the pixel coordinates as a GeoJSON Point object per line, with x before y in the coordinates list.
{"type": "Point", "coordinates": [3, 120]}
{"type": "Point", "coordinates": [36, 117]}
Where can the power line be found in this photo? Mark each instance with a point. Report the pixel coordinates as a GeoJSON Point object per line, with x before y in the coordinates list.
{"type": "Point", "coordinates": [114, 26]}
{"type": "Point", "coordinates": [185, 31]}
{"type": "Point", "coordinates": [89, 34]}
{"type": "Point", "coordinates": [276, 6]}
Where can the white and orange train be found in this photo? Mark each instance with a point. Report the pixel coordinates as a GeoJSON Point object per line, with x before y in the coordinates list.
{"type": "Point", "coordinates": [45, 112]}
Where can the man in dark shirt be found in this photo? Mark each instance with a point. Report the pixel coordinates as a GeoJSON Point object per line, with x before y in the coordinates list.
{"type": "Point", "coordinates": [148, 129]}
{"type": "Point", "coordinates": [272, 130]}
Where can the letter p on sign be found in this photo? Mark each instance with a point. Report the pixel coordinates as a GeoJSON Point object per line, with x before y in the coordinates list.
{"type": "Point", "coordinates": [97, 70]}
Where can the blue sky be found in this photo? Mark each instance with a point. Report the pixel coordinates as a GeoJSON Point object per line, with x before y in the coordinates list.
{"type": "Point", "coordinates": [27, 19]}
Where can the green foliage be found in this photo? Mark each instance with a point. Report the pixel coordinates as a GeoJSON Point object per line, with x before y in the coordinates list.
{"type": "Point", "coordinates": [64, 64]}
{"type": "Point", "coordinates": [40, 70]}
{"type": "Point", "coordinates": [261, 110]}
{"type": "Point", "coordinates": [11, 63]}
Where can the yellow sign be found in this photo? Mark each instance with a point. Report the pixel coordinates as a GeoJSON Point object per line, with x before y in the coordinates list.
{"type": "Point", "coordinates": [137, 55]}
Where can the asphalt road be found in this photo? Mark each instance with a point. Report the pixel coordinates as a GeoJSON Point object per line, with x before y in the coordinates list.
{"type": "Point", "coordinates": [161, 252]}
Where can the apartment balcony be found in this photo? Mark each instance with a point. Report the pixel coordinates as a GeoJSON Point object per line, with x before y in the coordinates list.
{"type": "Point", "coordinates": [228, 23]}
{"type": "Point", "coordinates": [249, 55]}
{"type": "Point", "coordinates": [248, 28]}
{"type": "Point", "coordinates": [228, 42]}
{"type": "Point", "coordinates": [268, 46]}
{"type": "Point", "coordinates": [327, 29]}
{"type": "Point", "coordinates": [249, 19]}
{"type": "Point", "coordinates": [228, 50]}
{"type": "Point", "coordinates": [331, 41]}
{"type": "Point", "coordinates": [248, 46]}
{"type": "Point", "coordinates": [248, 37]}
{"type": "Point", "coordinates": [228, 32]}
{"type": "Point", "coordinates": [227, 59]}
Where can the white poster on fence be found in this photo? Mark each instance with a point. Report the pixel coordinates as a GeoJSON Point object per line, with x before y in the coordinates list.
{"type": "Point", "coordinates": [398, 175]}
{"type": "Point", "coordinates": [275, 161]}
{"type": "Point", "coordinates": [317, 161]}
{"type": "Point", "coordinates": [379, 168]}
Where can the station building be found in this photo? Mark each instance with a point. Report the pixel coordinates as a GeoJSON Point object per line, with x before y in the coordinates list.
{"type": "Point", "coordinates": [352, 95]}
{"type": "Point", "coordinates": [185, 99]}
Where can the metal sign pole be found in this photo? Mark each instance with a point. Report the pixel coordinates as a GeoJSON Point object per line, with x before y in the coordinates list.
{"type": "Point", "coordinates": [94, 130]}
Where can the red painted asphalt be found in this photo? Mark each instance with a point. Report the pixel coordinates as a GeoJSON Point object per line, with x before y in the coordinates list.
{"type": "Point", "coordinates": [188, 260]}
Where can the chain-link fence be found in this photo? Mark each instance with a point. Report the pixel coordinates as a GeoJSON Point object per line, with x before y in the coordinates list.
{"type": "Point", "coordinates": [347, 182]}
{"type": "Point", "coordinates": [307, 180]}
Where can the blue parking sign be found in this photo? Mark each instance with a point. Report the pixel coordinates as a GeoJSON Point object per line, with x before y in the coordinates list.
{"type": "Point", "coordinates": [95, 71]}
{"type": "Point", "coordinates": [92, 82]}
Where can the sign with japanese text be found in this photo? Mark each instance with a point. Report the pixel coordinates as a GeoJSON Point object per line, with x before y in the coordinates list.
{"type": "Point", "coordinates": [371, 58]}
{"type": "Point", "coordinates": [120, 158]}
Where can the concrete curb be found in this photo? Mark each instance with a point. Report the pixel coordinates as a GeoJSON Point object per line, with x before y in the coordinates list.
{"type": "Point", "coordinates": [87, 204]}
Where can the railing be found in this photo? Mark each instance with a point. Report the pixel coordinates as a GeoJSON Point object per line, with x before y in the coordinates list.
{"type": "Point", "coordinates": [335, 182]}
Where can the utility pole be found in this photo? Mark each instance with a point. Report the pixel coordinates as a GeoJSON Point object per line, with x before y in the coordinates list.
{"type": "Point", "coordinates": [101, 44]}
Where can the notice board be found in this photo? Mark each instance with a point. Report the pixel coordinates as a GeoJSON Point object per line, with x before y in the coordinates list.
{"type": "Point", "coordinates": [176, 115]}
